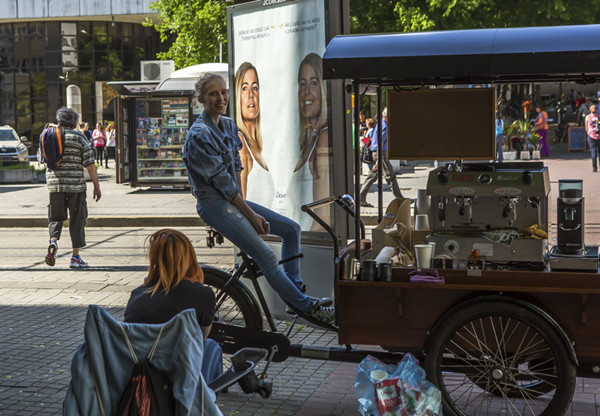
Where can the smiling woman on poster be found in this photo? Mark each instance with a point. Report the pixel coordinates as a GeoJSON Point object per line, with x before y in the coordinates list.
{"type": "Point", "coordinates": [256, 182]}
{"type": "Point", "coordinates": [314, 135]}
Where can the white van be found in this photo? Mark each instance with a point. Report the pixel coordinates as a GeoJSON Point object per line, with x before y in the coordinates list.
{"type": "Point", "coordinates": [185, 79]}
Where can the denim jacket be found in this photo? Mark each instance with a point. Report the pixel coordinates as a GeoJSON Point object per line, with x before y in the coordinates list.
{"type": "Point", "coordinates": [211, 156]}
{"type": "Point", "coordinates": [105, 358]}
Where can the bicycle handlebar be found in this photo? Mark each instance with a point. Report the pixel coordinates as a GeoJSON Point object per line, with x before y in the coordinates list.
{"type": "Point", "coordinates": [320, 203]}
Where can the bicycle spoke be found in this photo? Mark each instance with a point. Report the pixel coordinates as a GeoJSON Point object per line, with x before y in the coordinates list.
{"type": "Point", "coordinates": [498, 361]}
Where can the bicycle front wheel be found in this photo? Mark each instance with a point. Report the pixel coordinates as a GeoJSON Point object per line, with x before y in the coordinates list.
{"type": "Point", "coordinates": [500, 358]}
{"type": "Point", "coordinates": [235, 304]}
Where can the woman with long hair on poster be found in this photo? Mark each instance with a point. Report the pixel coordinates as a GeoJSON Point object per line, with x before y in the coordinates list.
{"type": "Point", "coordinates": [314, 135]}
{"type": "Point", "coordinates": [247, 118]}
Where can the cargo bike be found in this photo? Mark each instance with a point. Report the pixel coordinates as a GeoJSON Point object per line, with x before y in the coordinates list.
{"type": "Point", "coordinates": [505, 333]}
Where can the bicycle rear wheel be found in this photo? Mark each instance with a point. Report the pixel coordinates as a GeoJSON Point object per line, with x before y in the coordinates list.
{"type": "Point", "coordinates": [235, 304]}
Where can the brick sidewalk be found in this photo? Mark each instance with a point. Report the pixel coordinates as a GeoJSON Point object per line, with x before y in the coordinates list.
{"type": "Point", "coordinates": [42, 311]}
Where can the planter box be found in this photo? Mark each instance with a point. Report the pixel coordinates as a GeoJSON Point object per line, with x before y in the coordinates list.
{"type": "Point", "coordinates": [510, 155]}
{"type": "Point", "coordinates": [535, 154]}
{"type": "Point", "coordinates": [16, 175]}
{"type": "Point", "coordinates": [525, 155]}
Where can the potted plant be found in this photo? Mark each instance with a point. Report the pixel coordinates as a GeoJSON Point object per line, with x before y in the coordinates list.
{"type": "Point", "coordinates": [518, 133]}
{"type": "Point", "coordinates": [534, 139]}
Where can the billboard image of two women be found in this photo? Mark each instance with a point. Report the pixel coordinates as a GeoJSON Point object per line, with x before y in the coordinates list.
{"type": "Point", "coordinates": [281, 107]}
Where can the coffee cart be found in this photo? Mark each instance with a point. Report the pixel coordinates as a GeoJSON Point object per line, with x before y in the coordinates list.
{"type": "Point", "coordinates": [505, 333]}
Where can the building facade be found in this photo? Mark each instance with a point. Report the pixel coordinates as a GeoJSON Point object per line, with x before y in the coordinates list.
{"type": "Point", "coordinates": [47, 45]}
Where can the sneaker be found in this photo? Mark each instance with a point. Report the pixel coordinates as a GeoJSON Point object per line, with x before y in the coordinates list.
{"type": "Point", "coordinates": [51, 256]}
{"type": "Point", "coordinates": [323, 314]}
{"type": "Point", "coordinates": [78, 262]}
{"type": "Point", "coordinates": [366, 204]}
{"type": "Point", "coordinates": [320, 301]}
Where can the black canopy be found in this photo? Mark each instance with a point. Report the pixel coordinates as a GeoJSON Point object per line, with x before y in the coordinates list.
{"type": "Point", "coordinates": [534, 54]}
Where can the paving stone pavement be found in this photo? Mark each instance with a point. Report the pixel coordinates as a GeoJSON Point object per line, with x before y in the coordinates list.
{"type": "Point", "coordinates": [42, 312]}
{"type": "Point", "coordinates": [42, 309]}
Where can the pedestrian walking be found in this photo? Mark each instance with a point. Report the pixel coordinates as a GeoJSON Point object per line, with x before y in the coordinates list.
{"type": "Point", "coordinates": [384, 163]}
{"type": "Point", "coordinates": [593, 137]}
{"type": "Point", "coordinates": [88, 132]}
{"type": "Point", "coordinates": [541, 125]}
{"type": "Point", "coordinates": [99, 137]}
{"type": "Point", "coordinates": [109, 151]}
{"type": "Point", "coordinates": [499, 137]}
{"type": "Point", "coordinates": [67, 189]}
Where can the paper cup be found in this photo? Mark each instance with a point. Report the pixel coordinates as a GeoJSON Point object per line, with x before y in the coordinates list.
{"type": "Point", "coordinates": [423, 203]}
{"type": "Point", "coordinates": [421, 222]}
{"type": "Point", "coordinates": [423, 255]}
{"type": "Point", "coordinates": [432, 249]}
{"type": "Point", "coordinates": [378, 375]}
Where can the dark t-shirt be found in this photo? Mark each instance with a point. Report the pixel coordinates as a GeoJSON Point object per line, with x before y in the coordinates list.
{"type": "Point", "coordinates": [158, 309]}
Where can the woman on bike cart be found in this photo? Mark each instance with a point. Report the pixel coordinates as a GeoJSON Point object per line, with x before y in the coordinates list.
{"type": "Point", "coordinates": [211, 155]}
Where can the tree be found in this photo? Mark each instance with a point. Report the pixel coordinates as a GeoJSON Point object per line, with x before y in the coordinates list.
{"type": "Point", "coordinates": [426, 15]}
{"type": "Point", "coordinates": [195, 28]}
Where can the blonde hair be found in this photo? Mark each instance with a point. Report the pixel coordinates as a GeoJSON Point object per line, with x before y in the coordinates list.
{"type": "Point", "coordinates": [315, 62]}
{"type": "Point", "coordinates": [172, 259]}
{"type": "Point", "coordinates": [239, 120]}
{"type": "Point", "coordinates": [200, 85]}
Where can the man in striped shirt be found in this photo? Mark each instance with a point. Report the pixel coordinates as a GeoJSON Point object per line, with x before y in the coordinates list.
{"type": "Point", "coordinates": [67, 188]}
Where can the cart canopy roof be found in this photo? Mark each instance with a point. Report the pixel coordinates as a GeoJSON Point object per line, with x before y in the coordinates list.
{"type": "Point", "coordinates": [480, 56]}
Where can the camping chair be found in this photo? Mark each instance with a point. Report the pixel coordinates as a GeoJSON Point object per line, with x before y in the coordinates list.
{"type": "Point", "coordinates": [101, 367]}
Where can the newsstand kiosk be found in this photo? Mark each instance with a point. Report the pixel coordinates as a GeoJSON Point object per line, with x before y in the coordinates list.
{"type": "Point", "coordinates": [151, 128]}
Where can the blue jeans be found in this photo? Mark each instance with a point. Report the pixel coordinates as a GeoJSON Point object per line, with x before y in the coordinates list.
{"type": "Point", "coordinates": [499, 153]}
{"type": "Point", "coordinates": [593, 144]}
{"type": "Point", "coordinates": [233, 225]}
{"type": "Point", "coordinates": [212, 361]}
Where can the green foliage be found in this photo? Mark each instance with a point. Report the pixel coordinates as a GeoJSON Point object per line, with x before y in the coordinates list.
{"type": "Point", "coordinates": [425, 15]}
{"type": "Point", "coordinates": [15, 165]}
{"type": "Point", "coordinates": [194, 26]}
{"type": "Point", "coordinates": [522, 129]}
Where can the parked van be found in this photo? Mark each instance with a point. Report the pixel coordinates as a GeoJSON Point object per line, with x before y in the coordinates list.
{"type": "Point", "coordinates": [185, 79]}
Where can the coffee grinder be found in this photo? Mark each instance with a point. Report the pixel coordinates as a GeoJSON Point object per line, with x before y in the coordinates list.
{"type": "Point", "coordinates": [570, 207]}
{"type": "Point", "coordinates": [571, 253]}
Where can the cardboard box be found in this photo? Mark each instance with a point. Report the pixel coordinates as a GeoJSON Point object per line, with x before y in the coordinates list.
{"type": "Point", "coordinates": [418, 237]}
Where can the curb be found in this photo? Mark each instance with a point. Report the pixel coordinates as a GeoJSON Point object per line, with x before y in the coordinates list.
{"type": "Point", "coordinates": [137, 221]}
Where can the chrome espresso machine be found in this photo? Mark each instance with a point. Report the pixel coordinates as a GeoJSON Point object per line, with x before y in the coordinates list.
{"type": "Point", "coordinates": [494, 215]}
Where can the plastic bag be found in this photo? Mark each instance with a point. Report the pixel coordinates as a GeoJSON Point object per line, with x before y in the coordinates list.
{"type": "Point", "coordinates": [402, 390]}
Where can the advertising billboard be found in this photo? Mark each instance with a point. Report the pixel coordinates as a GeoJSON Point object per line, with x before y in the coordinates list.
{"type": "Point", "coordinates": [280, 103]}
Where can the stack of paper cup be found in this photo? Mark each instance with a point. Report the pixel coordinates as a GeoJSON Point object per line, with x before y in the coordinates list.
{"type": "Point", "coordinates": [423, 253]}
{"type": "Point", "coordinates": [423, 203]}
{"type": "Point", "coordinates": [422, 222]}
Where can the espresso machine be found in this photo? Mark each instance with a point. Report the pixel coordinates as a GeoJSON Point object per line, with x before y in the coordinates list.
{"type": "Point", "coordinates": [570, 252]}
{"type": "Point", "coordinates": [496, 212]}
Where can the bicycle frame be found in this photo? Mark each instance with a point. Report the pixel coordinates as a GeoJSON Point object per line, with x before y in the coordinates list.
{"type": "Point", "coordinates": [234, 336]}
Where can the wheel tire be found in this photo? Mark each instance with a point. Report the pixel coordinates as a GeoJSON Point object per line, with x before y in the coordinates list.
{"type": "Point", "coordinates": [234, 305]}
{"type": "Point", "coordinates": [481, 354]}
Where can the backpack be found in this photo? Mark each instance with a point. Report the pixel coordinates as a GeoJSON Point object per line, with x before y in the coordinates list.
{"type": "Point", "coordinates": [149, 392]}
{"type": "Point", "coordinates": [597, 125]}
{"type": "Point", "coordinates": [52, 143]}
